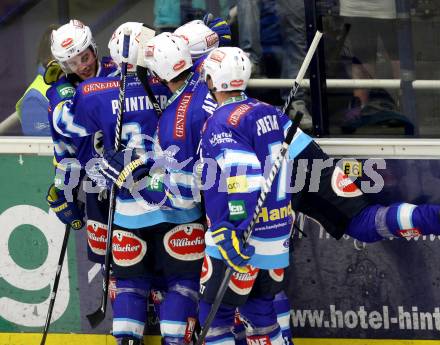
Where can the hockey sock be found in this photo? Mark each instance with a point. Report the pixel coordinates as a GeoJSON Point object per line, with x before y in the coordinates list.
{"type": "Point", "coordinates": [178, 310]}
{"type": "Point", "coordinates": [282, 309]}
{"type": "Point", "coordinates": [260, 320]}
{"type": "Point", "coordinates": [220, 331]}
{"type": "Point", "coordinates": [129, 308]}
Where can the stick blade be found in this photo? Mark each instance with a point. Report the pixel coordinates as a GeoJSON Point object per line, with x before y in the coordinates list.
{"type": "Point", "coordinates": [96, 318]}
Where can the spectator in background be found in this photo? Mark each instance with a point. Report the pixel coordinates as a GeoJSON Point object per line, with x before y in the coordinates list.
{"type": "Point", "coordinates": [369, 21]}
{"type": "Point", "coordinates": [170, 14]}
{"type": "Point", "coordinates": [32, 106]}
{"type": "Point", "coordinates": [291, 17]}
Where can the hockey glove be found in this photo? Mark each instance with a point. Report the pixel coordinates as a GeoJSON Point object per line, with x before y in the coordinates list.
{"type": "Point", "coordinates": [220, 27]}
{"type": "Point", "coordinates": [231, 247]}
{"type": "Point", "coordinates": [123, 168]}
{"type": "Point", "coordinates": [67, 212]}
{"type": "Point", "coordinates": [53, 72]}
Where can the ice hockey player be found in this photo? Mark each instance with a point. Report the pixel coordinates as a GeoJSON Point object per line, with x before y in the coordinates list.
{"type": "Point", "coordinates": [76, 59]}
{"type": "Point", "coordinates": [242, 137]}
{"type": "Point", "coordinates": [178, 135]}
{"type": "Point", "coordinates": [90, 110]}
{"type": "Point", "coordinates": [201, 41]}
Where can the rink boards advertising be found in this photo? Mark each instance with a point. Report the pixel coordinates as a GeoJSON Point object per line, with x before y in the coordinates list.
{"type": "Point", "coordinates": [342, 289]}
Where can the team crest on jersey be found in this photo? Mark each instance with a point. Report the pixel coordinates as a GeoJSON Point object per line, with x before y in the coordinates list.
{"type": "Point", "coordinates": [180, 120]}
{"type": "Point", "coordinates": [343, 186]}
{"type": "Point", "coordinates": [100, 86]}
{"type": "Point", "coordinates": [185, 242]}
{"type": "Point", "coordinates": [277, 274]}
{"type": "Point", "coordinates": [96, 236]}
{"type": "Point", "coordinates": [236, 115]}
{"type": "Point", "coordinates": [206, 272]}
{"type": "Point", "coordinates": [67, 42]}
{"type": "Point", "coordinates": [127, 248]}
{"type": "Point", "coordinates": [241, 283]}
{"type": "Point", "coordinates": [211, 40]}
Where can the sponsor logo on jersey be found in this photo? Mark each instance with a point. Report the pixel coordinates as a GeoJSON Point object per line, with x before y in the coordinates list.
{"type": "Point", "coordinates": [211, 39]}
{"type": "Point", "coordinates": [352, 168]}
{"type": "Point", "coordinates": [180, 120]}
{"type": "Point", "coordinates": [96, 236]}
{"type": "Point", "coordinates": [109, 64]}
{"type": "Point", "coordinates": [277, 274]}
{"type": "Point", "coordinates": [237, 210]}
{"type": "Point", "coordinates": [217, 56]}
{"type": "Point", "coordinates": [237, 184]}
{"type": "Point", "coordinates": [127, 248]}
{"type": "Point", "coordinates": [221, 138]}
{"type": "Point", "coordinates": [275, 214]}
{"type": "Point", "coordinates": [258, 340]}
{"type": "Point", "coordinates": [100, 86]}
{"type": "Point", "coordinates": [206, 272]}
{"type": "Point", "coordinates": [65, 90]}
{"type": "Point", "coordinates": [236, 115]}
{"type": "Point", "coordinates": [149, 51]}
{"type": "Point", "coordinates": [409, 233]}
{"type": "Point", "coordinates": [190, 327]}
{"type": "Point", "coordinates": [155, 183]}
{"type": "Point", "coordinates": [178, 66]}
{"type": "Point", "coordinates": [67, 42]}
{"type": "Point", "coordinates": [241, 283]}
{"type": "Point", "coordinates": [236, 82]}
{"type": "Point", "coordinates": [185, 242]}
{"type": "Point", "coordinates": [343, 186]}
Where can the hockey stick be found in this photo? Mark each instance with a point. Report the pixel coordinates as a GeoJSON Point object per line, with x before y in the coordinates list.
{"type": "Point", "coordinates": [53, 294]}
{"type": "Point", "coordinates": [142, 71]}
{"type": "Point", "coordinates": [267, 185]}
{"type": "Point", "coordinates": [98, 316]}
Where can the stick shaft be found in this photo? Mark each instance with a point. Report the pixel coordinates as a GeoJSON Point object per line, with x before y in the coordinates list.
{"type": "Point", "coordinates": [54, 291]}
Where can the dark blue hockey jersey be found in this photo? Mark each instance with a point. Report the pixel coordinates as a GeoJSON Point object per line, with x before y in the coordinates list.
{"type": "Point", "coordinates": [178, 137]}
{"type": "Point", "coordinates": [95, 108]}
{"type": "Point", "coordinates": [240, 142]}
{"type": "Point", "coordinates": [65, 147]}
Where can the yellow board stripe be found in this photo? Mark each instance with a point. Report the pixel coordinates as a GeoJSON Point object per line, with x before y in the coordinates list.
{"type": "Point", "coordinates": [66, 339]}
{"type": "Point", "coordinates": [101, 339]}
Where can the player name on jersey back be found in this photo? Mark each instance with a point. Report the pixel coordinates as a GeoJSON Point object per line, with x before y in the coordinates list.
{"type": "Point", "coordinates": [138, 103]}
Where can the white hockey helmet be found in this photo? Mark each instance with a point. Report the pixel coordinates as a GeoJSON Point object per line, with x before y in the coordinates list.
{"type": "Point", "coordinates": [167, 55]}
{"type": "Point", "coordinates": [229, 69]}
{"type": "Point", "coordinates": [70, 40]}
{"type": "Point", "coordinates": [116, 44]}
{"type": "Point", "coordinates": [200, 38]}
